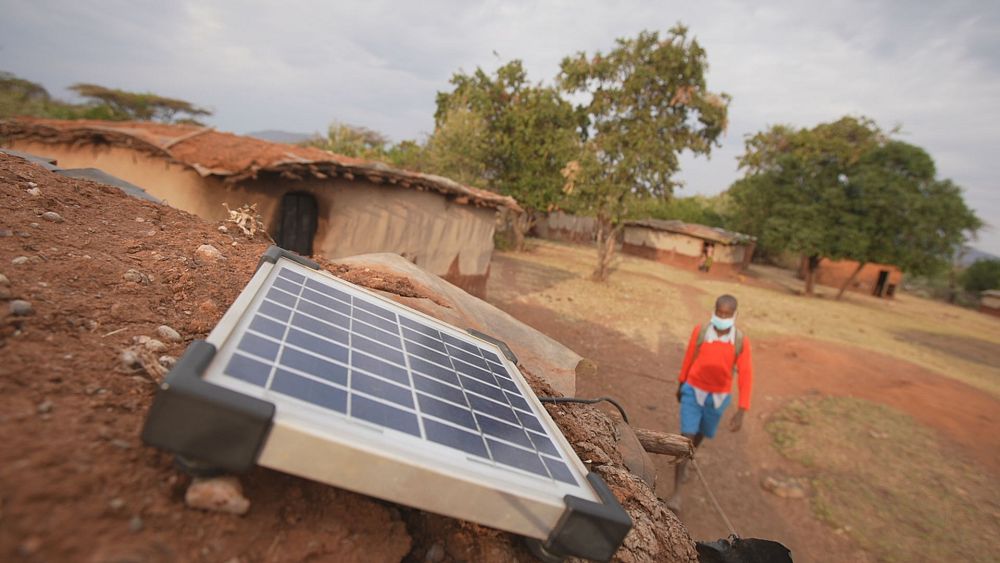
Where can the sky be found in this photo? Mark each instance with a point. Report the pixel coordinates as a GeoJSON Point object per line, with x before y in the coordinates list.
{"type": "Point", "coordinates": [930, 68]}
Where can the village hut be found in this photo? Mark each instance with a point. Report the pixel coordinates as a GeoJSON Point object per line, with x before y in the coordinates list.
{"type": "Point", "coordinates": [685, 244]}
{"type": "Point", "coordinates": [989, 302]}
{"type": "Point", "coordinates": [313, 202]}
{"type": "Point", "coordinates": [880, 280]}
{"type": "Point", "coordinates": [566, 227]}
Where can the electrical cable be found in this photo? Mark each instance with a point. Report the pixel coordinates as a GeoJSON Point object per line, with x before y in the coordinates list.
{"type": "Point", "coordinates": [621, 409]}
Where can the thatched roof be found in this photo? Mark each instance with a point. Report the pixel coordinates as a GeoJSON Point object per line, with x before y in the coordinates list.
{"type": "Point", "coordinates": [703, 232]}
{"type": "Point", "coordinates": [235, 157]}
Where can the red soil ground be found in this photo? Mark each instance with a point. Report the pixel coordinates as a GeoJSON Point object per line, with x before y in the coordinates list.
{"type": "Point", "coordinates": [76, 483]}
{"type": "Point", "coordinates": [736, 463]}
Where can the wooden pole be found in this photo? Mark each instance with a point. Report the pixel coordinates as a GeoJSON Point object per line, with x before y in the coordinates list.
{"type": "Point", "coordinates": [664, 443]}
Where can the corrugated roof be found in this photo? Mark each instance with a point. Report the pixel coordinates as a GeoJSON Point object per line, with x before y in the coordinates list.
{"type": "Point", "coordinates": [235, 157]}
{"type": "Point", "coordinates": [704, 232]}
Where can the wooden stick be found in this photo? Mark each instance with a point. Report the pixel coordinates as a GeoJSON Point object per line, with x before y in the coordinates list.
{"type": "Point", "coordinates": [664, 443]}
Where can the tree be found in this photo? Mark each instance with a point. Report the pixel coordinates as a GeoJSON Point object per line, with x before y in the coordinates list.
{"type": "Point", "coordinates": [522, 134]}
{"type": "Point", "coordinates": [648, 102]}
{"type": "Point", "coordinates": [981, 276]}
{"type": "Point", "coordinates": [351, 140]}
{"type": "Point", "coordinates": [140, 106]}
{"type": "Point", "coordinates": [846, 190]}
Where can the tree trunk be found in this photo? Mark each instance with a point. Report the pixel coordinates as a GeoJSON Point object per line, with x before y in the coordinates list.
{"type": "Point", "coordinates": [850, 280]}
{"type": "Point", "coordinates": [663, 443]}
{"type": "Point", "coordinates": [606, 235]}
{"type": "Point", "coordinates": [812, 262]}
{"type": "Point", "coordinates": [521, 223]}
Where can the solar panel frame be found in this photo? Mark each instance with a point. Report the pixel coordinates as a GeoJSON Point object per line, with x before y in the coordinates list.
{"type": "Point", "coordinates": [218, 421]}
{"type": "Point", "coordinates": [293, 433]}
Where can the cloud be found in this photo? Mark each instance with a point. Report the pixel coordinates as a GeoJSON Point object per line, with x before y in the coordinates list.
{"type": "Point", "coordinates": [933, 67]}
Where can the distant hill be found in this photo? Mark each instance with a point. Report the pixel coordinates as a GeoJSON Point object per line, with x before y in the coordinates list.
{"type": "Point", "coordinates": [972, 255]}
{"type": "Point", "coordinates": [276, 136]}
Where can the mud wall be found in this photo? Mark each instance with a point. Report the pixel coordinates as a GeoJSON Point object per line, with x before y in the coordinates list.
{"type": "Point", "coordinates": [834, 273]}
{"type": "Point", "coordinates": [682, 248]}
{"type": "Point", "coordinates": [451, 240]}
{"type": "Point", "coordinates": [565, 227]}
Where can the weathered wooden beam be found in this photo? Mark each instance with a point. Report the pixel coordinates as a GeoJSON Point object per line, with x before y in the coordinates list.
{"type": "Point", "coordinates": [664, 443]}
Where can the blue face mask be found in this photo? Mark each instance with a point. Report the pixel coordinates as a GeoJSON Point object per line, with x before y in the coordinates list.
{"type": "Point", "coordinates": [723, 324]}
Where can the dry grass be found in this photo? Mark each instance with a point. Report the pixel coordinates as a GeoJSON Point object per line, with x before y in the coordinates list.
{"type": "Point", "coordinates": [643, 299]}
{"type": "Point", "coordinates": [888, 482]}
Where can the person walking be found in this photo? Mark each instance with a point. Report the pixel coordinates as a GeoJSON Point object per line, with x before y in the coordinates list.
{"type": "Point", "coordinates": [717, 353]}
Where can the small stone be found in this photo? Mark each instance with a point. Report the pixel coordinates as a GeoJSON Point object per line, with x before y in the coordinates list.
{"type": "Point", "coordinates": [121, 444]}
{"type": "Point", "coordinates": [21, 308]}
{"type": "Point", "coordinates": [20, 260]}
{"type": "Point", "coordinates": [117, 504]}
{"type": "Point", "coordinates": [167, 361]}
{"type": "Point", "coordinates": [167, 333]}
{"type": "Point", "coordinates": [52, 216]}
{"type": "Point", "coordinates": [223, 229]}
{"type": "Point", "coordinates": [129, 358]}
{"type": "Point", "coordinates": [153, 345]}
{"type": "Point", "coordinates": [784, 488]}
{"type": "Point", "coordinates": [32, 185]}
{"type": "Point", "coordinates": [45, 407]}
{"type": "Point", "coordinates": [435, 554]}
{"type": "Point", "coordinates": [3, 280]}
{"type": "Point", "coordinates": [140, 220]}
{"type": "Point", "coordinates": [221, 494]}
{"type": "Point", "coordinates": [208, 253]}
{"type": "Point", "coordinates": [33, 226]}
{"type": "Point", "coordinates": [34, 192]}
{"type": "Point", "coordinates": [135, 524]}
{"type": "Point", "coordinates": [136, 276]}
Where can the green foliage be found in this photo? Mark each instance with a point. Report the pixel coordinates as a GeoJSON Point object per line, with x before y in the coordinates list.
{"type": "Point", "coordinates": [648, 102]}
{"type": "Point", "coordinates": [20, 97]}
{"type": "Point", "coordinates": [459, 147]}
{"type": "Point", "coordinates": [846, 190]}
{"type": "Point", "coordinates": [695, 209]}
{"type": "Point", "coordinates": [982, 275]}
{"type": "Point", "coordinates": [350, 140]}
{"type": "Point", "coordinates": [139, 106]}
{"type": "Point", "coordinates": [504, 133]}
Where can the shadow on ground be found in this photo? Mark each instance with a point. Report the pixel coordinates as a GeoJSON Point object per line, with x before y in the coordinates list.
{"type": "Point", "coordinates": [962, 347]}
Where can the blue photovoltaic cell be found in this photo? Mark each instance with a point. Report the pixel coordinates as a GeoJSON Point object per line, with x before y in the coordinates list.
{"type": "Point", "coordinates": [354, 356]}
{"type": "Point", "coordinates": [384, 415]}
{"type": "Point", "coordinates": [260, 346]}
{"type": "Point", "coordinates": [461, 416]}
{"type": "Point", "coordinates": [468, 442]}
{"type": "Point", "coordinates": [247, 369]}
{"type": "Point", "coordinates": [314, 365]}
{"type": "Point", "coordinates": [326, 396]}
{"type": "Point", "coordinates": [275, 310]}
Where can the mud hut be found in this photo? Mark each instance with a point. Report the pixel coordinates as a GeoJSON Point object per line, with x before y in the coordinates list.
{"type": "Point", "coordinates": [313, 201]}
{"type": "Point", "coordinates": [565, 227]}
{"type": "Point", "coordinates": [683, 244]}
{"type": "Point", "coordinates": [880, 280]}
{"type": "Point", "coordinates": [989, 302]}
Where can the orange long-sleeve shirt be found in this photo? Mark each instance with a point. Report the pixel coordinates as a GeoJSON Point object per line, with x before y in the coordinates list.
{"type": "Point", "coordinates": [712, 370]}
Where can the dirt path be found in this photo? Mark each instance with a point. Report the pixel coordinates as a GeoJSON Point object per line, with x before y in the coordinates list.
{"type": "Point", "coordinates": [735, 464]}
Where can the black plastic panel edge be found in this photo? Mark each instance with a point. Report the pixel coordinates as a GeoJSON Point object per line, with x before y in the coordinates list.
{"type": "Point", "coordinates": [274, 252]}
{"type": "Point", "coordinates": [588, 529]}
{"type": "Point", "coordinates": [211, 425]}
{"type": "Point", "coordinates": [503, 345]}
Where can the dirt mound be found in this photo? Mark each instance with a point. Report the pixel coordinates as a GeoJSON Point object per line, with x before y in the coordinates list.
{"type": "Point", "coordinates": [99, 269]}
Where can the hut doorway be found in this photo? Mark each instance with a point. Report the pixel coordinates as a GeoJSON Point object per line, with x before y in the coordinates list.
{"type": "Point", "coordinates": [297, 223]}
{"type": "Point", "coordinates": [883, 276]}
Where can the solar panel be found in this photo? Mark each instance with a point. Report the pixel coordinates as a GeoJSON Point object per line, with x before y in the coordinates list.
{"type": "Point", "coordinates": [314, 376]}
